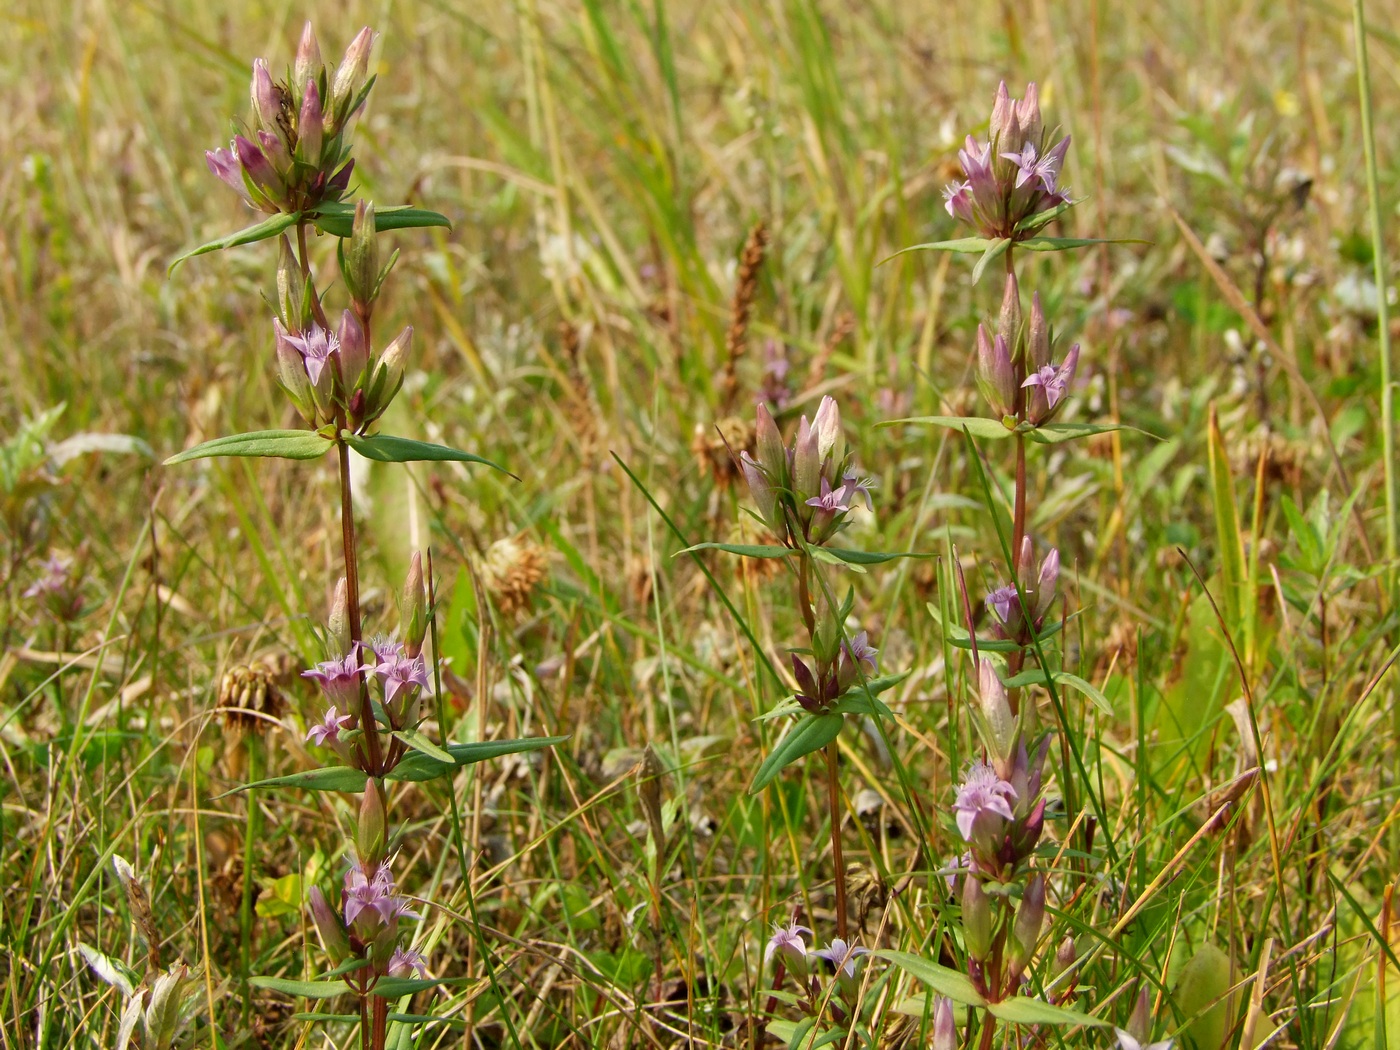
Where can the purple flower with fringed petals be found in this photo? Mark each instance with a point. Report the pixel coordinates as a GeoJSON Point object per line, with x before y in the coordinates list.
{"type": "Point", "coordinates": [316, 346]}
{"type": "Point", "coordinates": [399, 673]}
{"type": "Point", "coordinates": [405, 961]}
{"type": "Point", "coordinates": [984, 801]}
{"type": "Point", "coordinates": [328, 730]}
{"type": "Point", "coordinates": [1005, 603]}
{"type": "Point", "coordinates": [841, 955]}
{"type": "Point", "coordinates": [833, 501]}
{"type": "Point", "coordinates": [1054, 380]}
{"type": "Point", "coordinates": [54, 579]}
{"type": "Point", "coordinates": [338, 679]}
{"type": "Point", "coordinates": [1032, 164]}
{"type": "Point", "coordinates": [375, 894]}
{"type": "Point", "coordinates": [787, 939]}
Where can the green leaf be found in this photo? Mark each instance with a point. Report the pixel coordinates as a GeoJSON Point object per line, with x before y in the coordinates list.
{"type": "Point", "coordinates": [338, 218]}
{"type": "Point", "coordinates": [267, 444]}
{"type": "Point", "coordinates": [942, 979]}
{"type": "Point", "coordinates": [854, 703]}
{"type": "Point", "coordinates": [1227, 527]}
{"type": "Point", "coordinates": [384, 448]}
{"type": "Point", "coordinates": [962, 245]}
{"type": "Point", "coordinates": [1060, 244]}
{"type": "Point", "coordinates": [851, 557]}
{"type": "Point", "coordinates": [269, 227]}
{"type": "Point", "coordinates": [1022, 1009]}
{"type": "Point", "coordinates": [1203, 997]}
{"type": "Point", "coordinates": [744, 550]}
{"type": "Point", "coordinates": [812, 733]}
{"type": "Point", "coordinates": [977, 426]}
{"type": "Point", "coordinates": [395, 987]}
{"type": "Point", "coordinates": [1057, 433]}
{"type": "Point", "coordinates": [1037, 677]}
{"type": "Point", "coordinates": [420, 743]}
{"type": "Point", "coordinates": [304, 989]}
{"type": "Point", "coordinates": [327, 778]}
{"type": "Point", "coordinates": [994, 251]}
{"type": "Point", "coordinates": [418, 767]}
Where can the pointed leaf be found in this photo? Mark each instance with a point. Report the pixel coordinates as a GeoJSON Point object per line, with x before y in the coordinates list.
{"type": "Point", "coordinates": [108, 969]}
{"type": "Point", "coordinates": [810, 734]}
{"type": "Point", "coordinates": [1036, 676]}
{"type": "Point", "coordinates": [269, 227]}
{"type": "Point", "coordinates": [1060, 244]}
{"type": "Point", "coordinates": [745, 550]}
{"type": "Point", "coordinates": [385, 448]}
{"type": "Point", "coordinates": [1056, 433]}
{"type": "Point", "coordinates": [304, 989]}
{"type": "Point", "coordinates": [994, 251]}
{"type": "Point", "coordinates": [961, 245]}
{"type": "Point", "coordinates": [395, 987]}
{"type": "Point", "coordinates": [942, 979]}
{"type": "Point", "coordinates": [419, 767]}
{"type": "Point", "coordinates": [851, 557]}
{"type": "Point", "coordinates": [1022, 1009]}
{"type": "Point", "coordinates": [977, 426]}
{"type": "Point", "coordinates": [267, 444]}
{"type": "Point", "coordinates": [327, 778]}
{"type": "Point", "coordinates": [338, 218]}
{"type": "Point", "coordinates": [420, 743]}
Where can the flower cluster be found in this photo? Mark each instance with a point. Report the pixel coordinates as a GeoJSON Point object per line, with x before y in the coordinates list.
{"type": "Point", "coordinates": [295, 155]}
{"type": "Point", "coordinates": [836, 670]}
{"type": "Point", "coordinates": [1014, 620]}
{"type": "Point", "coordinates": [59, 587]}
{"type": "Point", "coordinates": [1011, 186]}
{"type": "Point", "coordinates": [1015, 370]}
{"type": "Point", "coordinates": [804, 491]}
{"type": "Point", "coordinates": [843, 961]}
{"type": "Point", "coordinates": [366, 925]}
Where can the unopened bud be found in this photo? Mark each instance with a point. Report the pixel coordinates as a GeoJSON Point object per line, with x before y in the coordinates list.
{"type": "Point", "coordinates": [1025, 928]}
{"type": "Point", "coordinates": [996, 711]}
{"type": "Point", "coordinates": [258, 167]}
{"type": "Point", "coordinates": [1045, 584]}
{"type": "Point", "coordinates": [768, 442]}
{"type": "Point", "coordinates": [945, 1025]}
{"type": "Point", "coordinates": [291, 374]}
{"type": "Point", "coordinates": [1140, 1023]}
{"type": "Point", "coordinates": [354, 67]}
{"type": "Point", "coordinates": [831, 444]}
{"type": "Point", "coordinates": [1065, 955]}
{"type": "Point", "coordinates": [1038, 338]}
{"type": "Point", "coordinates": [371, 829]}
{"type": "Point", "coordinates": [762, 491]}
{"type": "Point", "coordinates": [996, 376]}
{"type": "Point", "coordinates": [414, 623]}
{"type": "Point", "coordinates": [806, 463]}
{"type": "Point", "coordinates": [266, 105]}
{"type": "Point", "coordinates": [1009, 319]}
{"type": "Point", "coordinates": [308, 64]}
{"type": "Point", "coordinates": [976, 918]}
{"type": "Point", "coordinates": [333, 936]}
{"type": "Point", "coordinates": [310, 126]}
{"type": "Point", "coordinates": [388, 376]}
{"type": "Point", "coordinates": [361, 260]}
{"type": "Point", "coordinates": [338, 623]}
{"type": "Point", "coordinates": [291, 286]}
{"type": "Point", "coordinates": [353, 352]}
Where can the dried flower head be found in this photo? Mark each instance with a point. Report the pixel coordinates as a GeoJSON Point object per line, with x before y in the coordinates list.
{"type": "Point", "coordinates": [512, 570]}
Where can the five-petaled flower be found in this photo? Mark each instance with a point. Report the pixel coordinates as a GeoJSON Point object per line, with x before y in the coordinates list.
{"type": "Point", "coordinates": [842, 956]}
{"type": "Point", "coordinates": [328, 730]}
{"type": "Point", "coordinates": [787, 942]}
{"type": "Point", "coordinates": [338, 679]}
{"type": "Point", "coordinates": [983, 805]}
{"type": "Point", "coordinates": [1049, 384]}
{"type": "Point", "coordinates": [373, 894]}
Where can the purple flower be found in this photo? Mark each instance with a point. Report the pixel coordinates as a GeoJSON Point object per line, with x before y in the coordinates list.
{"type": "Point", "coordinates": [338, 679]}
{"type": "Point", "coordinates": [983, 805]}
{"type": "Point", "coordinates": [330, 728]}
{"type": "Point", "coordinates": [842, 956]}
{"type": "Point", "coordinates": [957, 198]}
{"type": "Point", "coordinates": [373, 894]}
{"type": "Point", "coordinates": [384, 650]}
{"type": "Point", "coordinates": [787, 941]}
{"type": "Point", "coordinates": [405, 961]}
{"type": "Point", "coordinates": [1128, 1042]}
{"type": "Point", "coordinates": [945, 1025]}
{"type": "Point", "coordinates": [833, 501]}
{"type": "Point", "coordinates": [53, 581]}
{"type": "Point", "coordinates": [1053, 383]}
{"type": "Point", "coordinates": [316, 346]}
{"type": "Point", "coordinates": [1005, 605]}
{"type": "Point", "coordinates": [399, 673]}
{"type": "Point", "coordinates": [223, 164]}
{"type": "Point", "coordinates": [1032, 164]}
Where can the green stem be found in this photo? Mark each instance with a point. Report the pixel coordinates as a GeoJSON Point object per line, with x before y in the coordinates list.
{"type": "Point", "coordinates": [833, 796]}
{"type": "Point", "coordinates": [374, 755]}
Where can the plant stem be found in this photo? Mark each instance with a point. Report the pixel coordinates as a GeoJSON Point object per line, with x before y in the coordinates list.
{"type": "Point", "coordinates": [1018, 520]}
{"type": "Point", "coordinates": [374, 756]}
{"type": "Point", "coordinates": [365, 1035]}
{"type": "Point", "coordinates": [833, 795]}
{"type": "Point", "coordinates": [245, 906]}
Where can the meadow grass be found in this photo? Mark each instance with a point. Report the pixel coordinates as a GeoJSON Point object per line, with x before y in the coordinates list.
{"type": "Point", "coordinates": [603, 165]}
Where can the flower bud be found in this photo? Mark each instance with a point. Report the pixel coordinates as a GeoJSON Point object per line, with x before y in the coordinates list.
{"type": "Point", "coordinates": [371, 829]}
{"type": "Point", "coordinates": [976, 918]}
{"type": "Point", "coordinates": [414, 620]}
{"type": "Point", "coordinates": [996, 376]}
{"type": "Point", "coordinates": [1009, 319]}
{"type": "Point", "coordinates": [996, 711]}
{"type": "Point", "coordinates": [338, 624]}
{"type": "Point", "coordinates": [291, 286]}
{"type": "Point", "coordinates": [945, 1025]}
{"type": "Point", "coordinates": [768, 442]}
{"type": "Point", "coordinates": [333, 937]}
{"type": "Point", "coordinates": [762, 491]}
{"type": "Point", "coordinates": [1045, 584]}
{"type": "Point", "coordinates": [1025, 928]}
{"type": "Point", "coordinates": [310, 126]}
{"type": "Point", "coordinates": [388, 376]}
{"type": "Point", "coordinates": [267, 107]}
{"type": "Point", "coordinates": [806, 463]}
{"type": "Point", "coordinates": [258, 168]}
{"type": "Point", "coordinates": [1025, 834]}
{"type": "Point", "coordinates": [827, 425]}
{"type": "Point", "coordinates": [1038, 337]}
{"type": "Point", "coordinates": [360, 265]}
{"type": "Point", "coordinates": [353, 68]}
{"type": "Point", "coordinates": [291, 374]}
{"type": "Point", "coordinates": [276, 152]}
{"type": "Point", "coordinates": [353, 352]}
{"type": "Point", "coordinates": [1065, 956]}
{"type": "Point", "coordinates": [1140, 1023]}
{"type": "Point", "coordinates": [308, 64]}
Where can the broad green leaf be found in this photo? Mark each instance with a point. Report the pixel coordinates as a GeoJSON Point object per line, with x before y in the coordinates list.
{"type": "Point", "coordinates": [994, 251]}
{"type": "Point", "coordinates": [418, 767]}
{"type": "Point", "coordinates": [1203, 996]}
{"type": "Point", "coordinates": [942, 979]}
{"type": "Point", "coordinates": [1227, 527]}
{"type": "Point", "coordinates": [851, 557]}
{"type": "Point", "coordinates": [854, 703]}
{"type": "Point", "coordinates": [1057, 433]}
{"type": "Point", "coordinates": [1022, 1009]}
{"type": "Point", "coordinates": [825, 556]}
{"type": "Point", "coordinates": [269, 227]}
{"type": "Point", "coordinates": [977, 426]}
{"type": "Point", "coordinates": [305, 989]}
{"type": "Point", "coordinates": [420, 743]}
{"type": "Point", "coordinates": [327, 778]}
{"type": "Point", "coordinates": [1037, 677]}
{"type": "Point", "coordinates": [744, 550]}
{"type": "Point", "coordinates": [267, 444]}
{"type": "Point", "coordinates": [784, 1031]}
{"type": "Point", "coordinates": [1060, 244]}
{"type": "Point", "coordinates": [394, 987]}
{"type": "Point", "coordinates": [810, 734]}
{"type": "Point", "coordinates": [384, 448]}
{"type": "Point", "coordinates": [338, 218]}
